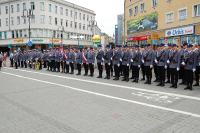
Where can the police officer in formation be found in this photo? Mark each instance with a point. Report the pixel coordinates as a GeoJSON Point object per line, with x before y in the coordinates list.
{"type": "Point", "coordinates": [169, 62]}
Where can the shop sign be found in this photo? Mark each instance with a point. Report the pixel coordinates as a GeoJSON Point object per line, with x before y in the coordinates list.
{"type": "Point", "coordinates": [54, 40]}
{"type": "Point", "coordinates": [37, 40]}
{"type": "Point", "coordinates": [18, 40]}
{"type": "Point", "coordinates": [180, 31]}
{"type": "Point", "coordinates": [140, 38]}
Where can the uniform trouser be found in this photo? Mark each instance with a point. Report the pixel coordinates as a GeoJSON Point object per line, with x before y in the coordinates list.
{"type": "Point", "coordinates": [72, 67]}
{"type": "Point", "coordinates": [16, 65]}
{"type": "Point", "coordinates": [25, 64]}
{"type": "Point", "coordinates": [161, 72]}
{"type": "Point", "coordinates": [135, 70]}
{"type": "Point", "coordinates": [126, 71]}
{"type": "Point", "coordinates": [197, 72]}
{"type": "Point", "coordinates": [91, 66]}
{"type": "Point", "coordinates": [189, 78]}
{"type": "Point", "coordinates": [100, 68]}
{"type": "Point", "coordinates": [85, 65]}
{"type": "Point", "coordinates": [45, 64]}
{"type": "Point", "coordinates": [168, 74]}
{"type": "Point", "coordinates": [148, 72]}
{"type": "Point", "coordinates": [79, 68]}
{"type": "Point", "coordinates": [11, 62]}
{"type": "Point", "coordinates": [48, 65]}
{"type": "Point", "coordinates": [121, 69]}
{"type": "Point", "coordinates": [58, 66]}
{"type": "Point", "coordinates": [111, 68]}
{"type": "Point", "coordinates": [143, 71]}
{"type": "Point", "coordinates": [117, 71]}
{"type": "Point", "coordinates": [174, 76]}
{"type": "Point", "coordinates": [22, 64]}
{"type": "Point", "coordinates": [66, 67]}
{"type": "Point", "coordinates": [62, 63]}
{"type": "Point", "coordinates": [107, 67]}
{"type": "Point", "coordinates": [52, 66]}
{"type": "Point", "coordinates": [156, 72]}
{"type": "Point", "coordinates": [182, 74]}
{"type": "Point", "coordinates": [0, 64]}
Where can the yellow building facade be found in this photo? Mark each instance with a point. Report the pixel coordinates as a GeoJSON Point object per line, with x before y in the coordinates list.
{"type": "Point", "coordinates": [162, 21]}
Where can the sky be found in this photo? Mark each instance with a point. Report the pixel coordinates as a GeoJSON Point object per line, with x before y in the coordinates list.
{"type": "Point", "coordinates": [106, 12]}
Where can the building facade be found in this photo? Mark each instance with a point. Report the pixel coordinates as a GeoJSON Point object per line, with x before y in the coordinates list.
{"type": "Point", "coordinates": [54, 22]}
{"type": "Point", "coordinates": [162, 21]}
{"type": "Point", "coordinates": [120, 23]}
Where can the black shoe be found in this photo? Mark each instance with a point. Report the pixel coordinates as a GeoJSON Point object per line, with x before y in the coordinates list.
{"type": "Point", "coordinates": [131, 78]}
{"type": "Point", "coordinates": [182, 83]}
{"type": "Point", "coordinates": [175, 87]}
{"type": "Point", "coordinates": [156, 80]}
{"type": "Point", "coordinates": [85, 75]}
{"type": "Point", "coordinates": [187, 88]}
{"type": "Point", "coordinates": [99, 77]}
{"type": "Point", "coordinates": [78, 74]}
{"type": "Point", "coordinates": [142, 79]}
{"type": "Point", "coordinates": [116, 79]}
{"type": "Point", "coordinates": [167, 82]}
{"type": "Point", "coordinates": [160, 84]}
{"type": "Point", "coordinates": [146, 82]}
{"type": "Point", "coordinates": [127, 80]}
{"type": "Point", "coordinates": [197, 84]}
{"type": "Point", "coordinates": [171, 86]}
{"type": "Point", "coordinates": [124, 79]}
{"type": "Point", "coordinates": [134, 80]}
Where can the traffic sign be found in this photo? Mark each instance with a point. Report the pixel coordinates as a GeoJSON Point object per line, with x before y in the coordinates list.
{"type": "Point", "coordinates": [30, 43]}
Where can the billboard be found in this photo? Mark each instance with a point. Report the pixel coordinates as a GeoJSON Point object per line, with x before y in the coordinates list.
{"type": "Point", "coordinates": [144, 23]}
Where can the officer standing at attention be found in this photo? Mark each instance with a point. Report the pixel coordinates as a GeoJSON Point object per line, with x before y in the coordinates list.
{"type": "Point", "coordinates": [79, 61]}
{"type": "Point", "coordinates": [107, 61]}
{"type": "Point", "coordinates": [136, 63]}
{"type": "Point", "coordinates": [126, 60]}
{"type": "Point", "coordinates": [197, 72]}
{"type": "Point", "coordinates": [190, 66]}
{"type": "Point", "coordinates": [117, 57]}
{"type": "Point", "coordinates": [71, 60]}
{"type": "Point", "coordinates": [147, 59]}
{"type": "Point", "coordinates": [174, 65]}
{"type": "Point", "coordinates": [100, 60]}
{"type": "Point", "coordinates": [91, 61]}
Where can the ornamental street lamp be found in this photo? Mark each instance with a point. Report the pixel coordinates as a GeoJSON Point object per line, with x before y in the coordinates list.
{"type": "Point", "coordinates": [28, 14]}
{"type": "Point", "coordinates": [92, 25]}
{"type": "Point", "coordinates": [61, 28]}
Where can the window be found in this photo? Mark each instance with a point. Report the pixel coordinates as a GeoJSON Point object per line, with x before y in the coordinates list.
{"type": "Point", "coordinates": [12, 21]}
{"type": "Point", "coordinates": [136, 10]}
{"type": "Point", "coordinates": [6, 8]}
{"type": "Point", "coordinates": [71, 14]}
{"type": "Point", "coordinates": [66, 23]}
{"type": "Point", "coordinates": [56, 21]}
{"type": "Point", "coordinates": [17, 35]}
{"type": "Point", "coordinates": [182, 14]}
{"type": "Point", "coordinates": [25, 20]}
{"type": "Point", "coordinates": [196, 10]}
{"type": "Point", "coordinates": [130, 12]}
{"type": "Point", "coordinates": [42, 19]}
{"type": "Point", "coordinates": [71, 24]}
{"type": "Point", "coordinates": [75, 15]}
{"type": "Point", "coordinates": [66, 12]}
{"type": "Point", "coordinates": [6, 21]}
{"type": "Point", "coordinates": [50, 20]}
{"type": "Point", "coordinates": [50, 8]}
{"type": "Point", "coordinates": [80, 16]}
{"type": "Point", "coordinates": [154, 3]}
{"type": "Point", "coordinates": [18, 8]}
{"type": "Point", "coordinates": [61, 22]}
{"type": "Point", "coordinates": [24, 6]}
{"type": "Point", "coordinates": [169, 17]}
{"type": "Point", "coordinates": [5, 35]}
{"type": "Point", "coordinates": [142, 7]}
{"type": "Point", "coordinates": [18, 20]}
{"type": "Point", "coordinates": [0, 35]}
{"type": "Point", "coordinates": [84, 27]}
{"type": "Point", "coordinates": [61, 11]}
{"type": "Point", "coordinates": [56, 9]}
{"type": "Point", "coordinates": [12, 8]}
{"type": "Point", "coordinates": [20, 33]}
{"type": "Point", "coordinates": [75, 25]}
{"type": "Point", "coordinates": [87, 17]}
{"type": "Point", "coordinates": [83, 16]}
{"type": "Point", "coordinates": [79, 26]}
{"type": "Point", "coordinates": [32, 6]}
{"type": "Point", "coordinates": [13, 34]}
{"type": "Point", "coordinates": [41, 6]}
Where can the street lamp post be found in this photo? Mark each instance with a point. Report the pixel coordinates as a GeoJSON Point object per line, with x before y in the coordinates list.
{"type": "Point", "coordinates": [28, 14]}
{"type": "Point", "coordinates": [93, 25]}
{"type": "Point", "coordinates": [61, 35]}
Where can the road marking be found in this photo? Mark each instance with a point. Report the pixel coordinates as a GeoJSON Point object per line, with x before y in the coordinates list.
{"type": "Point", "coordinates": [112, 85]}
{"type": "Point", "coordinates": [108, 96]}
{"type": "Point", "coordinates": [157, 97]}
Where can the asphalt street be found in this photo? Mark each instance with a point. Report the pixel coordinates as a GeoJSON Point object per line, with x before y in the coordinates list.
{"type": "Point", "coordinates": [45, 102]}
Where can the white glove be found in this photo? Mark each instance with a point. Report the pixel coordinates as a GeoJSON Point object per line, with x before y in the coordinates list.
{"type": "Point", "coordinates": [151, 66]}
{"type": "Point", "coordinates": [111, 58]}
{"type": "Point", "coordinates": [118, 65]}
{"type": "Point", "coordinates": [193, 69]}
{"type": "Point", "coordinates": [102, 59]}
{"type": "Point", "coordinates": [67, 62]}
{"type": "Point", "coordinates": [120, 59]}
{"type": "Point", "coordinates": [177, 68]}
{"type": "Point", "coordinates": [142, 61]}
{"type": "Point", "coordinates": [131, 60]}
{"type": "Point", "coordinates": [87, 63]}
{"type": "Point", "coordinates": [127, 64]}
{"type": "Point", "coordinates": [72, 62]}
{"type": "Point", "coordinates": [168, 61]}
{"type": "Point", "coordinates": [165, 66]}
{"type": "Point", "coordinates": [109, 64]}
{"type": "Point", "coordinates": [102, 63]}
{"type": "Point", "coordinates": [156, 61]}
{"type": "Point", "coordinates": [183, 63]}
{"type": "Point", "coordinates": [138, 66]}
{"type": "Point", "coordinates": [92, 63]}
